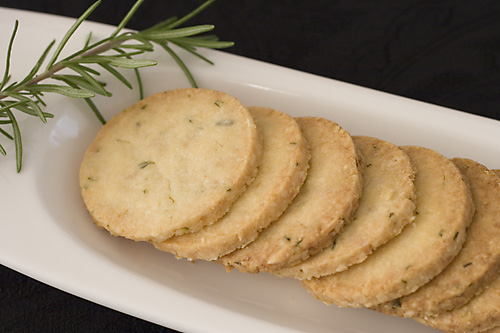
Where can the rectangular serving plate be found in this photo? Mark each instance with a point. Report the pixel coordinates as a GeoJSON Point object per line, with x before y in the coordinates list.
{"type": "Point", "coordinates": [46, 233]}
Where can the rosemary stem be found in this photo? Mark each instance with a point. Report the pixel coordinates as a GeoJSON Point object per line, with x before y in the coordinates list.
{"type": "Point", "coordinates": [100, 48]}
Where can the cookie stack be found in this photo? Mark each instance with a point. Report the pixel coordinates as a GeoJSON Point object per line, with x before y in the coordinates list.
{"type": "Point", "coordinates": [359, 221]}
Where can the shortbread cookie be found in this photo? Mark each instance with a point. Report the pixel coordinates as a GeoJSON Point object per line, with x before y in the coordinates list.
{"type": "Point", "coordinates": [386, 206]}
{"type": "Point", "coordinates": [420, 252]}
{"type": "Point", "coordinates": [327, 199]}
{"type": "Point", "coordinates": [169, 164]}
{"type": "Point", "coordinates": [282, 170]}
{"type": "Point", "coordinates": [477, 263]}
{"type": "Point", "coordinates": [497, 171]}
{"type": "Point", "coordinates": [480, 314]}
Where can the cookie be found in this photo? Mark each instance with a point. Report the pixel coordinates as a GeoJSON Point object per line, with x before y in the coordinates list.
{"type": "Point", "coordinates": [170, 164]}
{"type": "Point", "coordinates": [422, 250]}
{"type": "Point", "coordinates": [282, 170]}
{"type": "Point", "coordinates": [493, 330]}
{"type": "Point", "coordinates": [327, 199]}
{"type": "Point", "coordinates": [386, 206]}
{"type": "Point", "coordinates": [480, 314]}
{"type": "Point", "coordinates": [477, 263]}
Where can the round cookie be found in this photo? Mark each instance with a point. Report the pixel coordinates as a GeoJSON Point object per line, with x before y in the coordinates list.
{"type": "Point", "coordinates": [170, 164]}
{"type": "Point", "coordinates": [282, 170]}
{"type": "Point", "coordinates": [328, 198]}
{"type": "Point", "coordinates": [386, 206]}
{"type": "Point", "coordinates": [420, 252]}
{"type": "Point", "coordinates": [480, 314]}
{"type": "Point", "coordinates": [477, 263]}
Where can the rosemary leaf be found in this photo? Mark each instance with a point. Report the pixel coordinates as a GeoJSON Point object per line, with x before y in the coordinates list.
{"type": "Point", "coordinates": [7, 105]}
{"type": "Point", "coordinates": [202, 42]}
{"type": "Point", "coordinates": [28, 106]}
{"type": "Point", "coordinates": [37, 65]}
{"type": "Point", "coordinates": [127, 17]}
{"type": "Point", "coordinates": [62, 90]}
{"type": "Point", "coordinates": [7, 134]}
{"type": "Point", "coordinates": [192, 50]}
{"type": "Point", "coordinates": [147, 45]}
{"type": "Point", "coordinates": [18, 144]}
{"type": "Point", "coordinates": [78, 67]}
{"type": "Point", "coordinates": [131, 63]}
{"type": "Point", "coordinates": [162, 25]}
{"type": "Point", "coordinates": [82, 83]}
{"type": "Point", "coordinates": [6, 74]}
{"type": "Point", "coordinates": [137, 75]}
{"type": "Point", "coordinates": [71, 31]}
{"type": "Point", "coordinates": [141, 47]}
{"type": "Point", "coordinates": [28, 109]}
{"type": "Point", "coordinates": [97, 86]}
{"type": "Point", "coordinates": [177, 33]}
{"type": "Point", "coordinates": [94, 109]}
{"type": "Point", "coordinates": [38, 98]}
{"type": "Point", "coordinates": [139, 83]}
{"type": "Point", "coordinates": [91, 105]}
{"type": "Point", "coordinates": [87, 41]}
{"type": "Point", "coordinates": [116, 74]}
{"type": "Point", "coordinates": [180, 63]}
{"type": "Point", "coordinates": [124, 54]}
{"type": "Point", "coordinates": [190, 15]}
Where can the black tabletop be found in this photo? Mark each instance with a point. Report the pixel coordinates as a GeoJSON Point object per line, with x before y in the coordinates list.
{"type": "Point", "coordinates": [442, 52]}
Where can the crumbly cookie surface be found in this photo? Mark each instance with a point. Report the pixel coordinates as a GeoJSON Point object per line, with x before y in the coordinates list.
{"type": "Point", "coordinates": [386, 206]}
{"type": "Point", "coordinates": [480, 314]}
{"type": "Point", "coordinates": [477, 263]}
{"type": "Point", "coordinates": [169, 164]}
{"type": "Point", "coordinates": [328, 198]}
{"type": "Point", "coordinates": [282, 170]}
{"type": "Point", "coordinates": [422, 250]}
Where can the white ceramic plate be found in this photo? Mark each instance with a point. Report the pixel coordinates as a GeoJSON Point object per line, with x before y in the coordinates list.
{"type": "Point", "coordinates": [46, 233]}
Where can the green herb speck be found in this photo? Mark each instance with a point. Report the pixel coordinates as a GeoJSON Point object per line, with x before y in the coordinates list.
{"type": "Point", "coordinates": [396, 303]}
{"type": "Point", "coordinates": [145, 164]}
{"type": "Point", "coordinates": [225, 122]}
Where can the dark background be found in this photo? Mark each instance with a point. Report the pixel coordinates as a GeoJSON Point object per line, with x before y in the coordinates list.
{"type": "Point", "coordinates": [442, 52]}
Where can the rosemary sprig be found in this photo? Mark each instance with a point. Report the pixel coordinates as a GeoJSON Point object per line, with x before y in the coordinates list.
{"type": "Point", "coordinates": [79, 80]}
